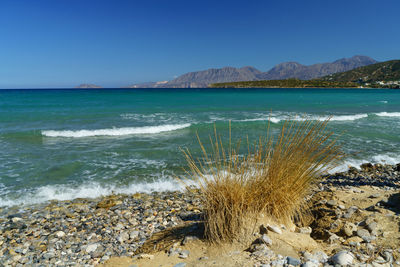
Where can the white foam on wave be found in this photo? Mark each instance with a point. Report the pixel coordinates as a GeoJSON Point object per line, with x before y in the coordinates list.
{"type": "Point", "coordinates": [90, 190]}
{"type": "Point", "coordinates": [116, 131]}
{"type": "Point", "coordinates": [277, 119]}
{"type": "Point", "coordinates": [272, 119]}
{"type": "Point", "coordinates": [348, 117]}
{"type": "Point", "coordinates": [320, 118]}
{"type": "Point", "coordinates": [335, 118]}
{"type": "Point", "coordinates": [388, 114]}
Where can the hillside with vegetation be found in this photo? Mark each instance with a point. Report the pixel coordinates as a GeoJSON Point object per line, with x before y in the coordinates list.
{"type": "Point", "coordinates": [380, 75]}
{"type": "Point", "coordinates": [288, 83]}
{"type": "Point", "coordinates": [384, 74]}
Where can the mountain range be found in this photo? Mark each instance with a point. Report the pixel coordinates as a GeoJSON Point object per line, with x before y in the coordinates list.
{"type": "Point", "coordinates": [279, 72]}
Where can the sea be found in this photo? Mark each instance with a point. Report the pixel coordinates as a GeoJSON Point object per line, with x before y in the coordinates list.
{"type": "Point", "coordinates": [65, 144]}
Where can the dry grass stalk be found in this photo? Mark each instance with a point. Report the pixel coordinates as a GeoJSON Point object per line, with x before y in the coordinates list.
{"type": "Point", "coordinates": [272, 178]}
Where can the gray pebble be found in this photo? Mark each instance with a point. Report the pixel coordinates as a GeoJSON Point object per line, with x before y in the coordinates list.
{"type": "Point", "coordinates": [293, 261]}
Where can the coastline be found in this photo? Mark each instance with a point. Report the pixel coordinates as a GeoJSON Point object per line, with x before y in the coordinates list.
{"type": "Point", "coordinates": [93, 231]}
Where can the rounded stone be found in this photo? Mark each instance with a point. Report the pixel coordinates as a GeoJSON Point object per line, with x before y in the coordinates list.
{"type": "Point", "coordinates": [349, 229]}
{"type": "Point", "coordinates": [342, 258]}
{"type": "Point", "coordinates": [293, 261]}
{"type": "Point", "coordinates": [274, 229]}
{"type": "Point", "coordinates": [266, 240]}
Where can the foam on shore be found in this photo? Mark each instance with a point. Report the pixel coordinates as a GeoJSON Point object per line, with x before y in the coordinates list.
{"type": "Point", "coordinates": [391, 159]}
{"type": "Point", "coordinates": [89, 190]}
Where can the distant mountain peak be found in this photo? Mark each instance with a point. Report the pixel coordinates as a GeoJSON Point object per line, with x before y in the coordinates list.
{"type": "Point", "coordinates": [280, 71]}
{"type": "Point", "coordinates": [288, 70]}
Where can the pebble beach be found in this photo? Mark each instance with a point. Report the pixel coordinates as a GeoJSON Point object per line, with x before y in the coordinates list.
{"type": "Point", "coordinates": [87, 232]}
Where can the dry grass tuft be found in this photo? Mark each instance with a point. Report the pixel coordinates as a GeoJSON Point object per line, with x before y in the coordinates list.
{"type": "Point", "coordinates": [271, 179]}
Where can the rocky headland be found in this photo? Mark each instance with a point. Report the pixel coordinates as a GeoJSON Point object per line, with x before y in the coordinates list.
{"type": "Point", "coordinates": [353, 220]}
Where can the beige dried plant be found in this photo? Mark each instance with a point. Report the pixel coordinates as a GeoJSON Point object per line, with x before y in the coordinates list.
{"type": "Point", "coordinates": [271, 179]}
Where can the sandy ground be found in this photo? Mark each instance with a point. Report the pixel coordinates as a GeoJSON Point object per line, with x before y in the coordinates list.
{"type": "Point", "coordinates": [288, 243]}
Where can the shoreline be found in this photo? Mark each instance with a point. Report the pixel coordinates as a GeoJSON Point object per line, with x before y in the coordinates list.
{"type": "Point", "coordinates": [94, 230]}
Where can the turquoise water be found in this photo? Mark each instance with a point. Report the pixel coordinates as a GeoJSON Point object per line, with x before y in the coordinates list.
{"type": "Point", "coordinates": [62, 144]}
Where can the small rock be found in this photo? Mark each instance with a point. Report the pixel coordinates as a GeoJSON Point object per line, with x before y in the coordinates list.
{"type": "Point", "coordinates": [331, 203]}
{"type": "Point", "coordinates": [184, 254]}
{"type": "Point", "coordinates": [342, 258]}
{"type": "Point", "coordinates": [305, 230]}
{"type": "Point", "coordinates": [263, 229]}
{"type": "Point", "coordinates": [353, 241]}
{"type": "Point", "coordinates": [372, 226]}
{"type": "Point", "coordinates": [320, 256]}
{"type": "Point", "coordinates": [349, 229]}
{"type": "Point", "coordinates": [134, 235]}
{"type": "Point", "coordinates": [350, 211]}
{"type": "Point", "coordinates": [307, 256]}
{"type": "Point", "coordinates": [333, 238]}
{"type": "Point", "coordinates": [124, 236]}
{"type": "Point", "coordinates": [181, 264]}
{"type": "Point", "coordinates": [388, 256]}
{"type": "Point", "coordinates": [278, 263]}
{"type": "Point", "coordinates": [266, 240]}
{"type": "Point", "coordinates": [258, 246]}
{"type": "Point", "coordinates": [293, 261]}
{"type": "Point", "coordinates": [16, 219]}
{"type": "Point", "coordinates": [310, 264]}
{"type": "Point", "coordinates": [60, 234]}
{"type": "Point", "coordinates": [364, 234]}
{"type": "Point", "coordinates": [274, 229]}
{"type": "Point", "coordinates": [91, 247]}
{"type": "Point", "coordinates": [367, 167]}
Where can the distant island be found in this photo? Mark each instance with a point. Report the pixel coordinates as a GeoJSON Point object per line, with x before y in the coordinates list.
{"type": "Point", "coordinates": [88, 86]}
{"type": "Point", "coordinates": [380, 75]}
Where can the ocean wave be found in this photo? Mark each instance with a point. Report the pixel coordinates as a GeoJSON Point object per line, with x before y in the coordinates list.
{"type": "Point", "coordinates": [333, 118]}
{"type": "Point", "coordinates": [347, 117]}
{"type": "Point", "coordinates": [89, 190]}
{"type": "Point", "coordinates": [320, 118]}
{"type": "Point", "coordinates": [279, 118]}
{"type": "Point", "coordinates": [116, 131]}
{"type": "Point", "coordinates": [272, 119]}
{"type": "Point", "coordinates": [388, 114]}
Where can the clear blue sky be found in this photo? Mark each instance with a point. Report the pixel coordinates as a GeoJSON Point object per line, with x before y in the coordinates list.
{"type": "Point", "coordinates": [62, 43]}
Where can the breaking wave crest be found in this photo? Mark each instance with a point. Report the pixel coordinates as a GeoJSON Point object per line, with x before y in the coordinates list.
{"type": "Point", "coordinates": [388, 114]}
{"type": "Point", "coordinates": [116, 131]}
{"type": "Point", "coordinates": [278, 119]}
